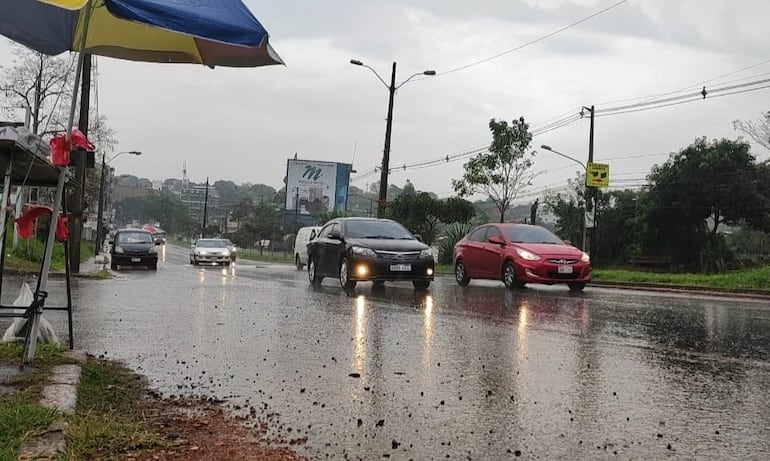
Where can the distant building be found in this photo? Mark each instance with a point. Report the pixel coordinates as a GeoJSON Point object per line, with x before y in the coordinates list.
{"type": "Point", "coordinates": [194, 197]}
{"type": "Point", "coordinates": [125, 186]}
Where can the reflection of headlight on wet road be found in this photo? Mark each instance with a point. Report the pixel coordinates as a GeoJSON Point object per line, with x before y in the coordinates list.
{"type": "Point", "coordinates": [428, 305]}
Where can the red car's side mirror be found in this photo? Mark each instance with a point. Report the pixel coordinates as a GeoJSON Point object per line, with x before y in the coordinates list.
{"type": "Point", "coordinates": [496, 240]}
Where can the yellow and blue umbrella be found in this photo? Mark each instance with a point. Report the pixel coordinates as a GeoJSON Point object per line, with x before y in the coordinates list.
{"type": "Point", "coordinates": [208, 32]}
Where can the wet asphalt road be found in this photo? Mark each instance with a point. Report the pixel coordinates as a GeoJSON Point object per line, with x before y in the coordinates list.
{"type": "Point", "coordinates": [470, 373]}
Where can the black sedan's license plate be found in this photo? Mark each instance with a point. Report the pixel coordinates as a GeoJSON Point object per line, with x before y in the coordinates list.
{"type": "Point", "coordinates": [400, 267]}
{"type": "Point", "coordinates": [135, 260]}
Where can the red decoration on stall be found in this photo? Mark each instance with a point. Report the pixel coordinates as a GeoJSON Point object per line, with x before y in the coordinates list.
{"type": "Point", "coordinates": [25, 224]}
{"type": "Point", "coordinates": [60, 148]}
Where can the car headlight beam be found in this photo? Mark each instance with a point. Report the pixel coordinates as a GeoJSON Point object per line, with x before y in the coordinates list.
{"type": "Point", "coordinates": [526, 254]}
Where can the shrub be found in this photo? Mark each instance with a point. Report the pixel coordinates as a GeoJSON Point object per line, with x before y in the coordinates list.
{"type": "Point", "coordinates": [452, 234]}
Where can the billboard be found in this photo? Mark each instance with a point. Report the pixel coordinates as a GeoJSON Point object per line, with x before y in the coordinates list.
{"type": "Point", "coordinates": [313, 186]}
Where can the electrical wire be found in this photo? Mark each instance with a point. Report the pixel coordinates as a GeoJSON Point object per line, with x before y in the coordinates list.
{"type": "Point", "coordinates": [557, 123]}
{"type": "Point", "coordinates": [531, 42]}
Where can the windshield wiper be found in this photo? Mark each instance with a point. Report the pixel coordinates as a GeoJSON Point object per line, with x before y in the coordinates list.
{"type": "Point", "coordinates": [378, 237]}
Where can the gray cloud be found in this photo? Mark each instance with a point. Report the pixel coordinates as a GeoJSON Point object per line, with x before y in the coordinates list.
{"type": "Point", "coordinates": [242, 124]}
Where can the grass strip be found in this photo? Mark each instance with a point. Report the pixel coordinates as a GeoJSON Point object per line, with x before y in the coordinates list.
{"type": "Point", "coordinates": [746, 279]}
{"type": "Point", "coordinates": [21, 416]}
{"type": "Point", "coordinates": [107, 422]}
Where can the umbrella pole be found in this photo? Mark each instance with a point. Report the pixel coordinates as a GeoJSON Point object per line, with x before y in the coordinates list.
{"type": "Point", "coordinates": [31, 343]}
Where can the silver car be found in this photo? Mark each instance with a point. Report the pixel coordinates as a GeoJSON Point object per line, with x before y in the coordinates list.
{"type": "Point", "coordinates": [214, 251]}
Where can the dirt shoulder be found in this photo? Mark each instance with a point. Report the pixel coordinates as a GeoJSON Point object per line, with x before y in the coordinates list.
{"type": "Point", "coordinates": [118, 417]}
{"type": "Point", "coordinates": [190, 429]}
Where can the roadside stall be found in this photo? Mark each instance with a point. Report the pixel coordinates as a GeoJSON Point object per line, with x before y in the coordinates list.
{"type": "Point", "coordinates": [25, 160]}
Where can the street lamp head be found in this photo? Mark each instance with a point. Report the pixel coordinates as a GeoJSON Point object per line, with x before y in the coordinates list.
{"type": "Point", "coordinates": [356, 62]}
{"type": "Point", "coordinates": [546, 147]}
{"type": "Point", "coordinates": [134, 152]}
{"type": "Point", "coordinates": [429, 72]}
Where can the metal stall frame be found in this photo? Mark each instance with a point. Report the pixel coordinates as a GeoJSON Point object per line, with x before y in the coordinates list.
{"type": "Point", "coordinates": [23, 167]}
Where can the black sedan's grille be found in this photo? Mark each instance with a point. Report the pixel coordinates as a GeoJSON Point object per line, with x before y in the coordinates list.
{"type": "Point", "coordinates": [399, 255]}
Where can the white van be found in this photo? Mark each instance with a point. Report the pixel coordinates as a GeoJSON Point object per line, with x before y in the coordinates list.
{"type": "Point", "coordinates": [304, 236]}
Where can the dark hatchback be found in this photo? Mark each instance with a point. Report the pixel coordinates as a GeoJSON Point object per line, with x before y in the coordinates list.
{"type": "Point", "coordinates": [362, 250]}
{"type": "Point", "coordinates": [133, 247]}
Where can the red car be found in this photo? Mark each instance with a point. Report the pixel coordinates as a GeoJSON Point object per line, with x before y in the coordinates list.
{"type": "Point", "coordinates": [519, 254]}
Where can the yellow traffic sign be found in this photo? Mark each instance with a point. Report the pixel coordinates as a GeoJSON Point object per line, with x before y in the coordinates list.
{"type": "Point", "coordinates": [598, 175]}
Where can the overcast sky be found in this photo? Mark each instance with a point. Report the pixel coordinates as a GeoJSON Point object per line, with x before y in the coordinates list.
{"type": "Point", "coordinates": [242, 124]}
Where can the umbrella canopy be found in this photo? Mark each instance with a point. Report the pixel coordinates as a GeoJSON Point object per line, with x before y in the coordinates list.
{"type": "Point", "coordinates": [152, 229]}
{"type": "Point", "coordinates": [208, 32]}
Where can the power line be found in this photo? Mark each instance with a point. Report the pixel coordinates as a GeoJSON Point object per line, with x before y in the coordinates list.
{"type": "Point", "coordinates": [694, 85]}
{"type": "Point", "coordinates": [570, 119]}
{"type": "Point", "coordinates": [532, 42]}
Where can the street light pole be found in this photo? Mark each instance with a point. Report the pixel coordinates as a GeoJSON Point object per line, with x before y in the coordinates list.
{"type": "Point", "coordinates": [383, 196]}
{"type": "Point", "coordinates": [100, 214]}
{"type": "Point", "coordinates": [385, 169]}
{"type": "Point", "coordinates": [585, 227]}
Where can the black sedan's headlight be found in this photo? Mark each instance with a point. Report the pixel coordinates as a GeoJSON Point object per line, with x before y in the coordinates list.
{"type": "Point", "coordinates": [361, 251]}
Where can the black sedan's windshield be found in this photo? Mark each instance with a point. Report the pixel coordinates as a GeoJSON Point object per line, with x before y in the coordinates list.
{"type": "Point", "coordinates": [134, 237]}
{"type": "Point", "coordinates": [376, 230]}
{"type": "Point", "coordinates": [530, 234]}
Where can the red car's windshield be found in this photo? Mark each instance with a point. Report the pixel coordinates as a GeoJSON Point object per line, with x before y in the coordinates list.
{"type": "Point", "coordinates": [530, 234]}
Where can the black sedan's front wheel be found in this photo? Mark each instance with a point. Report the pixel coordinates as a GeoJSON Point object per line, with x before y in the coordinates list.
{"type": "Point", "coordinates": [312, 273]}
{"type": "Point", "coordinates": [345, 281]}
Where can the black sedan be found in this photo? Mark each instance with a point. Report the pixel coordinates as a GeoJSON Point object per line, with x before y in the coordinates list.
{"type": "Point", "coordinates": [133, 247]}
{"type": "Point", "coordinates": [361, 249]}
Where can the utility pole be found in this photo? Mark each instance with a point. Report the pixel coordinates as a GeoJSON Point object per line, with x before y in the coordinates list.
{"type": "Point", "coordinates": [205, 208]}
{"type": "Point", "coordinates": [100, 215]}
{"type": "Point", "coordinates": [591, 192]}
{"type": "Point", "coordinates": [383, 197]}
{"type": "Point", "coordinates": [77, 203]}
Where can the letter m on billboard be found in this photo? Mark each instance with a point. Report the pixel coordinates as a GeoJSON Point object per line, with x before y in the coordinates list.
{"type": "Point", "coordinates": [312, 172]}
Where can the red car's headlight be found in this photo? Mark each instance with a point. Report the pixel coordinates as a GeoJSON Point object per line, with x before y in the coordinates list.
{"type": "Point", "coordinates": [528, 255]}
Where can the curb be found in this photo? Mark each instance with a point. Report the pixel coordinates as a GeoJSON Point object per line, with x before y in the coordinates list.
{"type": "Point", "coordinates": [59, 394]}
{"type": "Point", "coordinates": [660, 287]}
{"type": "Point", "coordinates": [745, 293]}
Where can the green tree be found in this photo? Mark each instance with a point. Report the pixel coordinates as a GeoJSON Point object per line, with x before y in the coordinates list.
{"type": "Point", "coordinates": [263, 224]}
{"type": "Point", "coordinates": [421, 213]}
{"type": "Point", "coordinates": [504, 170]}
{"type": "Point", "coordinates": [620, 227]}
{"type": "Point", "coordinates": [705, 185]}
{"type": "Point", "coordinates": [569, 208]}
{"type": "Point", "coordinates": [172, 215]}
